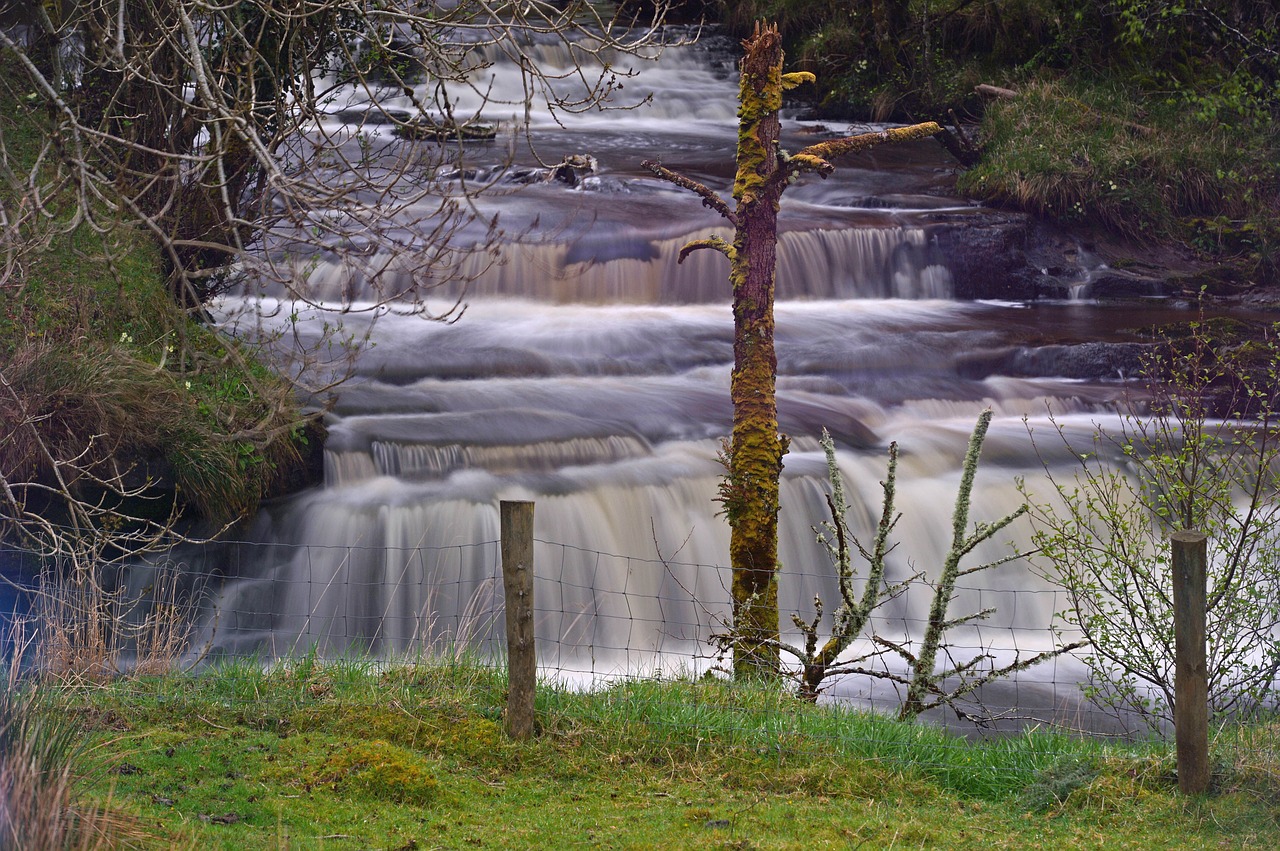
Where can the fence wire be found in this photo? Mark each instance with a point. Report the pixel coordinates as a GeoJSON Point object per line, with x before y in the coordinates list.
{"type": "Point", "coordinates": [602, 620]}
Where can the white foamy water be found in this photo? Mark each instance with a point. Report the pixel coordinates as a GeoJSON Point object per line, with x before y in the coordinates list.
{"type": "Point", "coordinates": [590, 373]}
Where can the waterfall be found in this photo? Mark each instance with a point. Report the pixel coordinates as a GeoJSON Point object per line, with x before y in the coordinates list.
{"type": "Point", "coordinates": [609, 417]}
{"type": "Point", "coordinates": [590, 374]}
{"type": "Point", "coordinates": [391, 565]}
{"type": "Point", "coordinates": [892, 261]}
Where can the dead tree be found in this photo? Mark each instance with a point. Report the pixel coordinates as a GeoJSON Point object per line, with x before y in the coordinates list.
{"type": "Point", "coordinates": [749, 491]}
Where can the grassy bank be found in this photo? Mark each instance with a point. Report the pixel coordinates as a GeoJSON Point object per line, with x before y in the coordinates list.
{"type": "Point", "coordinates": [105, 373]}
{"type": "Point", "coordinates": [1142, 120]}
{"type": "Point", "coordinates": [1099, 155]}
{"type": "Point", "coordinates": [352, 756]}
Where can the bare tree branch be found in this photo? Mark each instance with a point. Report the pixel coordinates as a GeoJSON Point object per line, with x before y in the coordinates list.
{"type": "Point", "coordinates": [709, 198]}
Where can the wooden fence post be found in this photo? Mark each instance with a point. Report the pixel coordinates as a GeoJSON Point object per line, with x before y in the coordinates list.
{"type": "Point", "coordinates": [516, 524]}
{"type": "Point", "coordinates": [1191, 672]}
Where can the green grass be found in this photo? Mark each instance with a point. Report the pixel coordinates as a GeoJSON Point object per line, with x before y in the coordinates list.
{"type": "Point", "coordinates": [349, 755]}
{"type": "Point", "coordinates": [1099, 154]}
{"type": "Point", "coordinates": [108, 367]}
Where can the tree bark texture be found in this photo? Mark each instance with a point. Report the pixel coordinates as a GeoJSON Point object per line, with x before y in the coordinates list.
{"type": "Point", "coordinates": [755, 458]}
{"type": "Point", "coordinates": [749, 492]}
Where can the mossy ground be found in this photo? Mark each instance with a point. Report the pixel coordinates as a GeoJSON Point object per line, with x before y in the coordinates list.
{"type": "Point", "coordinates": [353, 756]}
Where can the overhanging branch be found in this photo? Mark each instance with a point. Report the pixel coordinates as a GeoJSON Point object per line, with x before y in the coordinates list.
{"type": "Point", "coordinates": [713, 242]}
{"type": "Point", "coordinates": [709, 198]}
{"type": "Point", "coordinates": [817, 157]}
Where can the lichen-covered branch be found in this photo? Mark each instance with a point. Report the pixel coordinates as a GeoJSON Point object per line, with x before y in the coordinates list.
{"type": "Point", "coordinates": [709, 198]}
{"type": "Point", "coordinates": [853, 613]}
{"type": "Point", "coordinates": [818, 157]}
{"type": "Point", "coordinates": [924, 679]}
{"type": "Point", "coordinates": [712, 242]}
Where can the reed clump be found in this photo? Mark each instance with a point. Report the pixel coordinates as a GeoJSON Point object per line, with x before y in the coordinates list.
{"type": "Point", "coordinates": [43, 753]}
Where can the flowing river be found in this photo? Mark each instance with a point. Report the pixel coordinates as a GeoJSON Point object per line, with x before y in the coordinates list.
{"type": "Point", "coordinates": [590, 373]}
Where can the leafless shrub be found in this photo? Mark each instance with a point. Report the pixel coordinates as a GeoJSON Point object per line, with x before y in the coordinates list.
{"type": "Point", "coordinates": [1201, 453]}
{"type": "Point", "coordinates": [250, 139]}
{"type": "Point", "coordinates": [932, 677]}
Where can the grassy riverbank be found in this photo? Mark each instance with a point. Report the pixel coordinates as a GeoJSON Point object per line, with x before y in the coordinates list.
{"type": "Point", "coordinates": [352, 756]}
{"type": "Point", "coordinates": [1097, 155]}
{"type": "Point", "coordinates": [1139, 122]}
{"type": "Point", "coordinates": [109, 383]}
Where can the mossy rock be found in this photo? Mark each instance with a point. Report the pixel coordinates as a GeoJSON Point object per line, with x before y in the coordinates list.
{"type": "Point", "coordinates": [380, 771]}
{"type": "Point", "coordinates": [429, 129]}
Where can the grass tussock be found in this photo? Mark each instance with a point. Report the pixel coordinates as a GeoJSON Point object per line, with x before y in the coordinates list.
{"type": "Point", "coordinates": [113, 410]}
{"type": "Point", "coordinates": [1250, 755]}
{"type": "Point", "coordinates": [1097, 154]}
{"type": "Point", "coordinates": [41, 752]}
{"type": "Point", "coordinates": [100, 364]}
{"type": "Point", "coordinates": [353, 754]}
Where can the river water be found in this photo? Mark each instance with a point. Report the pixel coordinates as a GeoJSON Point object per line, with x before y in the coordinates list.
{"type": "Point", "coordinates": [590, 373]}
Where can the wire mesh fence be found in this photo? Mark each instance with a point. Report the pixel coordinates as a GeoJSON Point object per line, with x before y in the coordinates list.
{"type": "Point", "coordinates": [626, 646]}
{"type": "Point", "coordinates": [600, 619]}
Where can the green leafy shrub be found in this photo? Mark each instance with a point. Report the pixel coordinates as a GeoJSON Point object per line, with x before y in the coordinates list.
{"type": "Point", "coordinates": [1202, 455]}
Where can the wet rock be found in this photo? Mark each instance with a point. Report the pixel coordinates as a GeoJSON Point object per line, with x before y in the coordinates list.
{"type": "Point", "coordinates": [905, 201]}
{"type": "Point", "coordinates": [999, 254]}
{"type": "Point", "coordinates": [371, 116]}
{"type": "Point", "coordinates": [1094, 361]}
{"type": "Point", "coordinates": [986, 253]}
{"type": "Point", "coordinates": [573, 169]}
{"type": "Point", "coordinates": [597, 248]}
{"type": "Point", "coordinates": [1117, 284]}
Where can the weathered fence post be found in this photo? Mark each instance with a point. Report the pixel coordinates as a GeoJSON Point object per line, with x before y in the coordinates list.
{"type": "Point", "coordinates": [516, 525]}
{"type": "Point", "coordinates": [1191, 673]}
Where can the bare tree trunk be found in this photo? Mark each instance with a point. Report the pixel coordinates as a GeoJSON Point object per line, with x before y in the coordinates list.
{"type": "Point", "coordinates": [755, 457]}
{"type": "Point", "coordinates": [890, 19]}
{"type": "Point", "coordinates": [749, 492]}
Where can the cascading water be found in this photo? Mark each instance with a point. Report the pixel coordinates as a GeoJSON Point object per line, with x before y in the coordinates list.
{"type": "Point", "coordinates": [590, 373]}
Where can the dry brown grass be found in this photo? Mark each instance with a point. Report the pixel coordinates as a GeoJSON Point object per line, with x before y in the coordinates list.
{"type": "Point", "coordinates": [88, 632]}
{"type": "Point", "coordinates": [40, 753]}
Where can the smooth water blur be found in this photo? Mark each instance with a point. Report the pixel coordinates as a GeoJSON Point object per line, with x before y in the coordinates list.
{"type": "Point", "coordinates": [590, 373]}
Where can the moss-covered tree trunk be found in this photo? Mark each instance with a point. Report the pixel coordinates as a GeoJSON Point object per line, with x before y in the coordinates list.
{"type": "Point", "coordinates": [750, 490]}
{"type": "Point", "coordinates": [756, 450]}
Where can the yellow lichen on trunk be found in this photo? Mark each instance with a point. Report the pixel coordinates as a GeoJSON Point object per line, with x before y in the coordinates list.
{"type": "Point", "coordinates": [750, 489]}
{"type": "Point", "coordinates": [755, 463]}
{"type": "Point", "coordinates": [759, 99]}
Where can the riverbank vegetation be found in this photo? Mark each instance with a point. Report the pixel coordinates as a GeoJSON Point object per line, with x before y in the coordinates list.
{"type": "Point", "coordinates": [412, 756]}
{"type": "Point", "coordinates": [1145, 120]}
{"type": "Point", "coordinates": [159, 155]}
{"type": "Point", "coordinates": [127, 421]}
{"type": "Point", "coordinates": [114, 396]}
